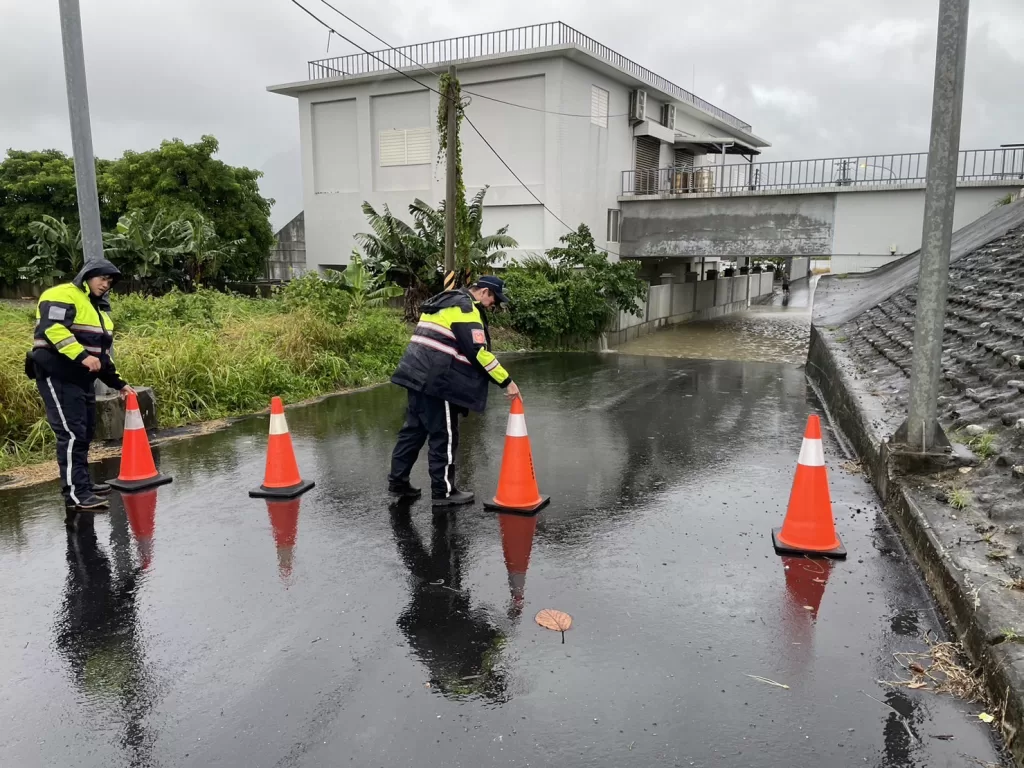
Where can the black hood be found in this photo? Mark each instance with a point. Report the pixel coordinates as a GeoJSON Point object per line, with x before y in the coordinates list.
{"type": "Point", "coordinates": [95, 269]}
{"type": "Point", "coordinates": [447, 299]}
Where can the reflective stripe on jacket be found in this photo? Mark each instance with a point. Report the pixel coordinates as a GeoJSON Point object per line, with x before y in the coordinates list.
{"type": "Point", "coordinates": [449, 355]}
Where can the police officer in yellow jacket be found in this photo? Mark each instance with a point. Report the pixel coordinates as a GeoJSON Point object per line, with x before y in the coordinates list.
{"type": "Point", "coordinates": [71, 350]}
{"type": "Point", "coordinates": [446, 369]}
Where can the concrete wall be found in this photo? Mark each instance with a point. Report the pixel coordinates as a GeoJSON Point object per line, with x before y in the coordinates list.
{"type": "Point", "coordinates": [726, 226]}
{"type": "Point", "coordinates": [676, 303]}
{"type": "Point", "coordinates": [840, 222]}
{"type": "Point", "coordinates": [288, 257]}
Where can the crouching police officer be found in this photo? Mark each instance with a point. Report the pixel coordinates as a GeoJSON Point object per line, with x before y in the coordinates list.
{"type": "Point", "coordinates": [446, 368]}
{"type": "Point", "coordinates": [72, 345]}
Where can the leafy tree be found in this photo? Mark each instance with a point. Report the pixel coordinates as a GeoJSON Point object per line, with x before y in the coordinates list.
{"type": "Point", "coordinates": [409, 254]}
{"type": "Point", "coordinates": [569, 298]}
{"type": "Point", "coordinates": [32, 185]}
{"type": "Point", "coordinates": [57, 248]}
{"type": "Point", "coordinates": [145, 247]}
{"type": "Point", "coordinates": [205, 252]}
{"type": "Point", "coordinates": [185, 180]}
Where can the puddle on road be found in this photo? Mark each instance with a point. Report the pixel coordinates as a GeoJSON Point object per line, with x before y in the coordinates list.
{"type": "Point", "coordinates": [761, 334]}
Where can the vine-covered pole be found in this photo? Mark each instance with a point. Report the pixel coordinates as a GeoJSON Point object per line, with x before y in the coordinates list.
{"type": "Point", "coordinates": [452, 179]}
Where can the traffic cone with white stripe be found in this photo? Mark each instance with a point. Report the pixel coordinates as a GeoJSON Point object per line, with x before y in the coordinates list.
{"type": "Point", "coordinates": [517, 484]}
{"type": "Point", "coordinates": [281, 479]}
{"type": "Point", "coordinates": [138, 470]}
{"type": "Point", "coordinates": [809, 528]}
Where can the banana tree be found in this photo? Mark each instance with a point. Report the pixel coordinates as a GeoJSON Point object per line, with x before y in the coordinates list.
{"type": "Point", "coordinates": [57, 249]}
{"type": "Point", "coordinates": [366, 288]}
{"type": "Point", "coordinates": [145, 248]}
{"type": "Point", "coordinates": [204, 251]}
{"type": "Point", "coordinates": [404, 252]}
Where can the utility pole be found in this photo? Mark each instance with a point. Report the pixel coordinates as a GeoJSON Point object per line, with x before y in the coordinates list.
{"type": "Point", "coordinates": [922, 430]}
{"type": "Point", "coordinates": [451, 180]}
{"type": "Point", "coordinates": [81, 130]}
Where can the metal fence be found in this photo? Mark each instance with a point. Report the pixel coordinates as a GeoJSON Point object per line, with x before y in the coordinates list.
{"type": "Point", "coordinates": [520, 39]}
{"type": "Point", "coordinates": [865, 170]}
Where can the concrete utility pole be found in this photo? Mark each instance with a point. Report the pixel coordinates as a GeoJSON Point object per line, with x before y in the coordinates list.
{"type": "Point", "coordinates": [451, 181]}
{"type": "Point", "coordinates": [922, 428]}
{"type": "Point", "coordinates": [81, 130]}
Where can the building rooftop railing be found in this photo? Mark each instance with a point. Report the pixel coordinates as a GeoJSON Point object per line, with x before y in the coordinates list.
{"type": "Point", "coordinates": [975, 165]}
{"type": "Point", "coordinates": [518, 40]}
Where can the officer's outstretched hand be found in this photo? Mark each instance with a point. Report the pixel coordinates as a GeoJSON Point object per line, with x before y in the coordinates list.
{"type": "Point", "coordinates": [127, 390]}
{"type": "Point", "coordinates": [512, 391]}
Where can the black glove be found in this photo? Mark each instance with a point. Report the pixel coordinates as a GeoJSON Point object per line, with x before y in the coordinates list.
{"type": "Point", "coordinates": [30, 366]}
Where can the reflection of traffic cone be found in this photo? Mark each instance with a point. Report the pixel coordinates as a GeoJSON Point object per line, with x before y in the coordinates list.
{"type": "Point", "coordinates": [284, 520]}
{"type": "Point", "coordinates": [517, 484]}
{"type": "Point", "coordinates": [517, 542]}
{"type": "Point", "coordinates": [137, 468]}
{"type": "Point", "coordinates": [281, 479]}
{"type": "Point", "coordinates": [805, 583]}
{"type": "Point", "coordinates": [141, 511]}
{"type": "Point", "coordinates": [809, 527]}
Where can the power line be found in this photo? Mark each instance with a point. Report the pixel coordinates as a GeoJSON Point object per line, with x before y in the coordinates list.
{"type": "Point", "coordinates": [443, 96]}
{"type": "Point", "coordinates": [390, 47]}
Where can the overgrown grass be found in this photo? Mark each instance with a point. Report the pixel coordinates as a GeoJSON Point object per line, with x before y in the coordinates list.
{"type": "Point", "coordinates": [958, 498]}
{"type": "Point", "coordinates": [207, 356]}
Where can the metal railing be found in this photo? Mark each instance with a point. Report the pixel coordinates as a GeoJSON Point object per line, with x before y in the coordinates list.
{"type": "Point", "coordinates": [864, 170]}
{"type": "Point", "coordinates": [520, 39]}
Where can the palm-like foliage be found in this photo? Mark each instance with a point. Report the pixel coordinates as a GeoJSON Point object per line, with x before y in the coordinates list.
{"type": "Point", "coordinates": [57, 249]}
{"type": "Point", "coordinates": [366, 288]}
{"type": "Point", "coordinates": [204, 251]}
{"type": "Point", "coordinates": [142, 248]}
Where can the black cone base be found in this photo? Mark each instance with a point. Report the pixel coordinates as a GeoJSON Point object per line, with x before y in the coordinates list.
{"type": "Point", "coordinates": [492, 507]}
{"type": "Point", "coordinates": [128, 486]}
{"type": "Point", "coordinates": [839, 553]}
{"type": "Point", "coordinates": [290, 492]}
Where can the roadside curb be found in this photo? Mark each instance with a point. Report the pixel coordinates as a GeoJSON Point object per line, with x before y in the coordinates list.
{"type": "Point", "coordinates": [977, 615]}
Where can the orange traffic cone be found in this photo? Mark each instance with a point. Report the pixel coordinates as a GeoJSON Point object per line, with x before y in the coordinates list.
{"type": "Point", "coordinates": [284, 520]}
{"type": "Point", "coordinates": [141, 511]}
{"type": "Point", "coordinates": [517, 543]}
{"type": "Point", "coordinates": [281, 479]}
{"type": "Point", "coordinates": [137, 468]}
{"type": "Point", "coordinates": [517, 484]}
{"type": "Point", "coordinates": [809, 528]}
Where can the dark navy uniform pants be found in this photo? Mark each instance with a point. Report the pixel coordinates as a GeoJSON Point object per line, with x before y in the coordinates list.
{"type": "Point", "coordinates": [436, 420]}
{"type": "Point", "coordinates": [71, 412]}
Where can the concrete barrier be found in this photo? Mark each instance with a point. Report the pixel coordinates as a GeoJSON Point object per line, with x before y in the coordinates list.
{"type": "Point", "coordinates": [705, 294]}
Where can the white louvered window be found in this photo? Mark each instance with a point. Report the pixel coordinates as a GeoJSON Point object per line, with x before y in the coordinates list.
{"type": "Point", "coordinates": [599, 106]}
{"type": "Point", "coordinates": [405, 146]}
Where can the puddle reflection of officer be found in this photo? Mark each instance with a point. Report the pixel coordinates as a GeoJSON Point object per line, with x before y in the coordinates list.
{"type": "Point", "coordinates": [457, 642]}
{"type": "Point", "coordinates": [96, 634]}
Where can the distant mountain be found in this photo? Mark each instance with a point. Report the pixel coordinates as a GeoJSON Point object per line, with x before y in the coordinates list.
{"type": "Point", "coordinates": [282, 180]}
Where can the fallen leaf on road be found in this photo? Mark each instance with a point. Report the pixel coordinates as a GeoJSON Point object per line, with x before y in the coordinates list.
{"type": "Point", "coordinates": [554, 620]}
{"type": "Point", "coordinates": [915, 667]}
{"type": "Point", "coordinates": [766, 680]}
{"type": "Point", "coordinates": [985, 717]}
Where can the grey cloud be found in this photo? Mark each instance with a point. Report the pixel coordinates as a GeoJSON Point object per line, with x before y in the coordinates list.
{"type": "Point", "coordinates": [817, 79]}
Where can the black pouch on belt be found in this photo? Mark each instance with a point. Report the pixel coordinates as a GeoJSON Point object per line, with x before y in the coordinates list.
{"type": "Point", "coordinates": [30, 366]}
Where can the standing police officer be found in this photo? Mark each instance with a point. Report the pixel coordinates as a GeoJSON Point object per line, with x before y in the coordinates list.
{"type": "Point", "coordinates": [72, 345]}
{"type": "Point", "coordinates": [446, 369]}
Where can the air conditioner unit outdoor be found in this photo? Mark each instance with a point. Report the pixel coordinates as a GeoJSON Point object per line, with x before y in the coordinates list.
{"type": "Point", "coordinates": [638, 106]}
{"type": "Point", "coordinates": [668, 116]}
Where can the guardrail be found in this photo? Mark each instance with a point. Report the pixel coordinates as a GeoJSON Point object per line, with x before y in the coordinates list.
{"type": "Point", "coordinates": [519, 39]}
{"type": "Point", "coordinates": [863, 170]}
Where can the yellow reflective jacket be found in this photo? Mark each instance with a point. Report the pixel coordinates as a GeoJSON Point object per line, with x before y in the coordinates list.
{"type": "Point", "coordinates": [71, 324]}
{"type": "Point", "coordinates": [449, 355]}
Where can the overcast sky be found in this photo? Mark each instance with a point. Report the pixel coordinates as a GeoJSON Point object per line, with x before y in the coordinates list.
{"type": "Point", "coordinates": [817, 78]}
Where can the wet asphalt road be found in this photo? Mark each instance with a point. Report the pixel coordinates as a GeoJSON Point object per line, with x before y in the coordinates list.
{"type": "Point", "coordinates": [210, 630]}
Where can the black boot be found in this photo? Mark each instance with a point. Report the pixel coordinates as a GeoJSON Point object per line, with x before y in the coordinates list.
{"type": "Point", "coordinates": [456, 498]}
{"type": "Point", "coordinates": [404, 491]}
{"type": "Point", "coordinates": [101, 489]}
{"type": "Point", "coordinates": [89, 503]}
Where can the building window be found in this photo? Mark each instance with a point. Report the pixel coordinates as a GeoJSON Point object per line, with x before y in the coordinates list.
{"type": "Point", "coordinates": [613, 225]}
{"type": "Point", "coordinates": [406, 146]}
{"type": "Point", "coordinates": [599, 106]}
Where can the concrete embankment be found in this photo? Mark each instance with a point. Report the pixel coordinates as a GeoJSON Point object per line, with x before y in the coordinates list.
{"type": "Point", "coordinates": [963, 523]}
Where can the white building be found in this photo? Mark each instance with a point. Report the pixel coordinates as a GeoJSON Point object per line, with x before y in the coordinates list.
{"type": "Point", "coordinates": [578, 122]}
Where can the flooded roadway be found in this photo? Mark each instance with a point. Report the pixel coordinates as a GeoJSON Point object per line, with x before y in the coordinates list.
{"type": "Point", "coordinates": [776, 332]}
{"type": "Point", "coordinates": [213, 630]}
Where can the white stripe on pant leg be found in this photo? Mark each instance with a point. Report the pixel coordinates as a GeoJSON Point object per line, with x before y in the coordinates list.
{"type": "Point", "coordinates": [448, 424]}
{"type": "Point", "coordinates": [71, 442]}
